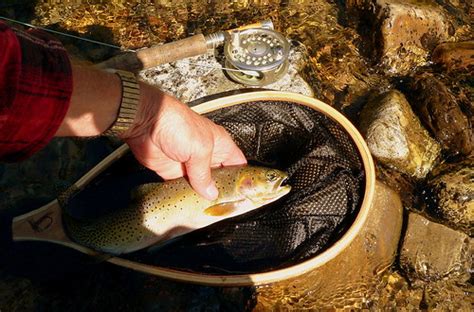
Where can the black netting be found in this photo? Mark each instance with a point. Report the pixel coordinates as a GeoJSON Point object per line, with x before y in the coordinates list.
{"type": "Point", "coordinates": [327, 179]}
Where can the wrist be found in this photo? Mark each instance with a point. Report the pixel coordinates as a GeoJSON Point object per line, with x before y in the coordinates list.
{"type": "Point", "coordinates": [148, 108]}
{"type": "Point", "coordinates": [127, 109]}
{"type": "Point", "coordinates": [94, 102]}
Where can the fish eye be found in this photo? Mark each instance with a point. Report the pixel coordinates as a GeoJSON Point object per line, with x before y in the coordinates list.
{"type": "Point", "coordinates": [271, 175]}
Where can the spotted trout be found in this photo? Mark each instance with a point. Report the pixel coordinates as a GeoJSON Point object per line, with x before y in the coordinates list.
{"type": "Point", "coordinates": [159, 212]}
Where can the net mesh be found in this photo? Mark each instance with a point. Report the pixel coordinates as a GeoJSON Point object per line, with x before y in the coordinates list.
{"type": "Point", "coordinates": [327, 179]}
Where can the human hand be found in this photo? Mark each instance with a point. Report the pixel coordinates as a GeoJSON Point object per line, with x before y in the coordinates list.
{"type": "Point", "coordinates": [171, 139]}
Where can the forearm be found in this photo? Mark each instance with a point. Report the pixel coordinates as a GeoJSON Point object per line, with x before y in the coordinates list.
{"type": "Point", "coordinates": [94, 102]}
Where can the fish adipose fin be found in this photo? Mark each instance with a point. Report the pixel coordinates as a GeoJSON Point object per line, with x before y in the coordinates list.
{"type": "Point", "coordinates": [223, 209]}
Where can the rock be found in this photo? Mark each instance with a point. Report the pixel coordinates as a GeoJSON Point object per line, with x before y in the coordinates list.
{"type": "Point", "coordinates": [401, 183]}
{"type": "Point", "coordinates": [455, 297]}
{"type": "Point", "coordinates": [432, 252]}
{"type": "Point", "coordinates": [196, 77]}
{"type": "Point", "coordinates": [456, 55]}
{"type": "Point", "coordinates": [17, 294]}
{"type": "Point", "coordinates": [462, 11]}
{"type": "Point", "coordinates": [397, 294]}
{"type": "Point", "coordinates": [451, 195]}
{"type": "Point", "coordinates": [395, 136]}
{"type": "Point", "coordinates": [337, 71]}
{"type": "Point", "coordinates": [439, 112]}
{"type": "Point", "coordinates": [29, 184]}
{"type": "Point", "coordinates": [402, 32]}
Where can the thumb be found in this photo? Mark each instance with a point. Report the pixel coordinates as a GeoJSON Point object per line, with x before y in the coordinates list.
{"type": "Point", "coordinates": [198, 169]}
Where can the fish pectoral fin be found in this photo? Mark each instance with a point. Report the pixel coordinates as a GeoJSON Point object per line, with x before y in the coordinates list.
{"type": "Point", "coordinates": [223, 209]}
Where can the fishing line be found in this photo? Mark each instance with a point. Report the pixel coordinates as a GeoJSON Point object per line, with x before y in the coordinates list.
{"type": "Point", "coordinates": [247, 72]}
{"type": "Point", "coordinates": [66, 35]}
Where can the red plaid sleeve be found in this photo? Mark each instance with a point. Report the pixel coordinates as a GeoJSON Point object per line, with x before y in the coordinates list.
{"type": "Point", "coordinates": [35, 90]}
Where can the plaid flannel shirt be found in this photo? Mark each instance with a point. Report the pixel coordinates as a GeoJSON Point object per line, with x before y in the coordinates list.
{"type": "Point", "coordinates": [35, 91]}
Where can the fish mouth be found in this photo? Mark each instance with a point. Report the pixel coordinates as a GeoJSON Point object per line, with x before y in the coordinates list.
{"type": "Point", "coordinates": [282, 187]}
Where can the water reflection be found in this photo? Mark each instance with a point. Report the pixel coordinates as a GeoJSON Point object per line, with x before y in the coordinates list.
{"type": "Point", "coordinates": [338, 73]}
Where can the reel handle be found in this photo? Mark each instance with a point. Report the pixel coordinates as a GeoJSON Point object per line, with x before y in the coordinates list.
{"type": "Point", "coordinates": [159, 54]}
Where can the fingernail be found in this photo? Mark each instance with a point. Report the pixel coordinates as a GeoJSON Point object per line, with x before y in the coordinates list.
{"type": "Point", "coordinates": [212, 191]}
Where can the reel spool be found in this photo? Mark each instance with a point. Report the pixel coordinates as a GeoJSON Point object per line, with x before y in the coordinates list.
{"type": "Point", "coordinates": [258, 56]}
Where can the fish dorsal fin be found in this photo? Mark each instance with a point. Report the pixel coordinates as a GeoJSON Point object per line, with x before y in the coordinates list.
{"type": "Point", "coordinates": [142, 190]}
{"type": "Point", "coordinates": [222, 209]}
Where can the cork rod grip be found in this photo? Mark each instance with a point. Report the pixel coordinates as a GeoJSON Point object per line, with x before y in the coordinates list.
{"type": "Point", "coordinates": [173, 51]}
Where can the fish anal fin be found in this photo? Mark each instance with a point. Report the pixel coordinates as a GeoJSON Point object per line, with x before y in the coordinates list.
{"type": "Point", "coordinates": [223, 209]}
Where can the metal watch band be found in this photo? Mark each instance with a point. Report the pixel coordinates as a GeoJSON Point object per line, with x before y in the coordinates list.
{"type": "Point", "coordinates": [128, 105]}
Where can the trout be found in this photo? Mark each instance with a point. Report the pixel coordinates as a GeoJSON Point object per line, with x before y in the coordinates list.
{"type": "Point", "coordinates": [159, 212]}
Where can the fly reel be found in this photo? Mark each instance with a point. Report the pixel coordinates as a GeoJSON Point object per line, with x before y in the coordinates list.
{"type": "Point", "coordinates": [256, 56]}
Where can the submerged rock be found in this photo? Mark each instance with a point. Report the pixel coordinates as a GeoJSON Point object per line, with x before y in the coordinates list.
{"type": "Point", "coordinates": [17, 294]}
{"type": "Point", "coordinates": [433, 252]}
{"type": "Point", "coordinates": [395, 136]}
{"type": "Point", "coordinates": [456, 297]}
{"type": "Point", "coordinates": [401, 183]}
{"type": "Point", "coordinates": [396, 294]}
{"type": "Point", "coordinates": [455, 55]}
{"type": "Point", "coordinates": [29, 184]}
{"type": "Point", "coordinates": [440, 113]}
{"type": "Point", "coordinates": [451, 195]}
{"type": "Point", "coordinates": [402, 32]}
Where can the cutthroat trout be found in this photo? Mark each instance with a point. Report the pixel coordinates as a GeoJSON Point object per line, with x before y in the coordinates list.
{"type": "Point", "coordinates": [161, 211]}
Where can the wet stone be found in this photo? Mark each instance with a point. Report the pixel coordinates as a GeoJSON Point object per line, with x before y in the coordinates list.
{"type": "Point", "coordinates": [196, 77]}
{"type": "Point", "coordinates": [395, 136]}
{"type": "Point", "coordinates": [401, 183]}
{"type": "Point", "coordinates": [396, 294]}
{"type": "Point", "coordinates": [456, 297]}
{"type": "Point", "coordinates": [450, 195]}
{"type": "Point", "coordinates": [455, 55]}
{"type": "Point", "coordinates": [17, 294]}
{"type": "Point", "coordinates": [29, 184]}
{"type": "Point", "coordinates": [440, 113]}
{"type": "Point", "coordinates": [433, 252]}
{"type": "Point", "coordinates": [402, 32]}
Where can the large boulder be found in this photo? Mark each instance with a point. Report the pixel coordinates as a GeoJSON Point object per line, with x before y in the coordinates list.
{"type": "Point", "coordinates": [440, 113]}
{"type": "Point", "coordinates": [450, 195]}
{"type": "Point", "coordinates": [402, 32]}
{"type": "Point", "coordinates": [455, 55]}
{"type": "Point", "coordinates": [434, 252]}
{"type": "Point", "coordinates": [395, 136]}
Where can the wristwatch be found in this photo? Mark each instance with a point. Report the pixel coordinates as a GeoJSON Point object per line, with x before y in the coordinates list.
{"type": "Point", "coordinates": [128, 104]}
